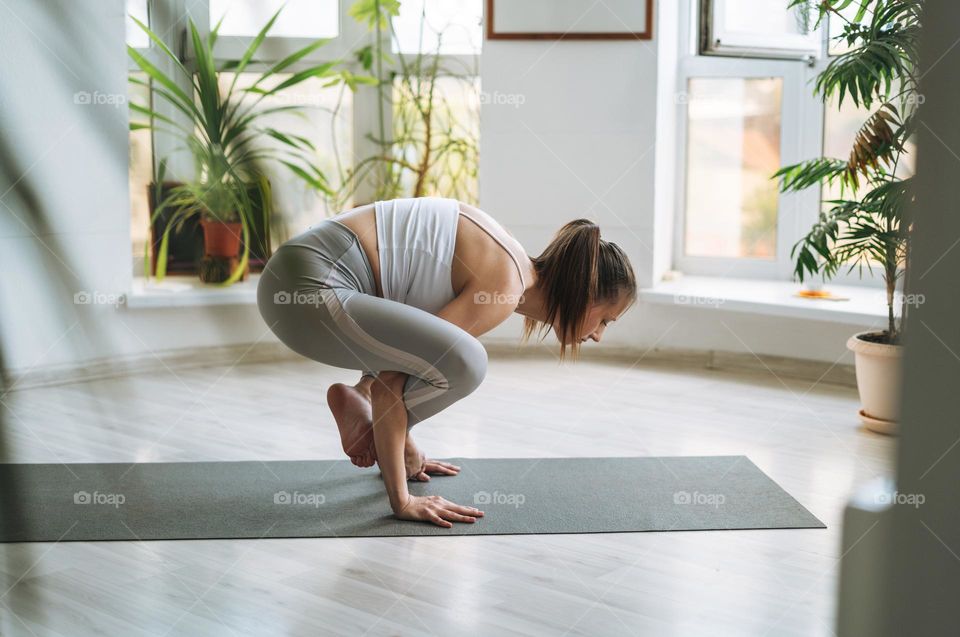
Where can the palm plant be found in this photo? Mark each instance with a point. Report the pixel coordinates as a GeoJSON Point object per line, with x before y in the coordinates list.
{"type": "Point", "coordinates": [220, 129]}
{"type": "Point", "coordinates": [867, 224]}
{"type": "Point", "coordinates": [429, 148]}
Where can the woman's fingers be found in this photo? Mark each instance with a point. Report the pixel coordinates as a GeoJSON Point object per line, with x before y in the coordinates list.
{"type": "Point", "coordinates": [440, 467]}
{"type": "Point", "coordinates": [422, 477]}
{"type": "Point", "coordinates": [436, 519]}
{"type": "Point", "coordinates": [453, 516]}
{"type": "Point", "coordinates": [465, 510]}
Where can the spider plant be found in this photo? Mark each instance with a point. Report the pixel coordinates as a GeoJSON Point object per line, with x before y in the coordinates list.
{"type": "Point", "coordinates": [867, 224]}
{"type": "Point", "coordinates": [222, 129]}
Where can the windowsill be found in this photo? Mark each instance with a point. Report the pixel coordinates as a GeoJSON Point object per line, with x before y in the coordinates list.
{"type": "Point", "coordinates": [771, 298]}
{"type": "Point", "coordinates": [189, 291]}
{"type": "Point", "coordinates": [864, 306]}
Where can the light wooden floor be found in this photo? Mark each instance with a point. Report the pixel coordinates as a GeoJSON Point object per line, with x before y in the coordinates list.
{"type": "Point", "coordinates": [765, 582]}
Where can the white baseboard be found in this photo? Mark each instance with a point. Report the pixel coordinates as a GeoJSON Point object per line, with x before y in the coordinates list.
{"type": "Point", "coordinates": [780, 366]}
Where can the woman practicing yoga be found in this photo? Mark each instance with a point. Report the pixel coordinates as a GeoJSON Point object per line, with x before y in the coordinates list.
{"type": "Point", "coordinates": [400, 290]}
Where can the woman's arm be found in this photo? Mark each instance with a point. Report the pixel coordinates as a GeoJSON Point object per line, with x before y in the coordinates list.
{"type": "Point", "coordinates": [389, 437]}
{"type": "Point", "coordinates": [390, 434]}
{"type": "Point", "coordinates": [480, 307]}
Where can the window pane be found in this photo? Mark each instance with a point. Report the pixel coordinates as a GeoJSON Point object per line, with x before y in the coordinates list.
{"type": "Point", "coordinates": [135, 35]}
{"type": "Point", "coordinates": [762, 17]}
{"type": "Point", "coordinates": [454, 134]}
{"type": "Point", "coordinates": [141, 173]}
{"type": "Point", "coordinates": [733, 148]}
{"type": "Point", "coordinates": [327, 121]}
{"type": "Point", "coordinates": [299, 19]}
{"type": "Point", "coordinates": [453, 26]}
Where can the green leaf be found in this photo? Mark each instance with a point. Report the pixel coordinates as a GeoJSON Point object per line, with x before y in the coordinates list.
{"type": "Point", "coordinates": [372, 12]}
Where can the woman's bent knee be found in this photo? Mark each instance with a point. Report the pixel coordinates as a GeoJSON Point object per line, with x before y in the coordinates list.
{"type": "Point", "coordinates": [468, 365]}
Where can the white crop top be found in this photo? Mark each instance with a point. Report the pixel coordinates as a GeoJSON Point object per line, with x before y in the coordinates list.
{"type": "Point", "coordinates": [416, 238]}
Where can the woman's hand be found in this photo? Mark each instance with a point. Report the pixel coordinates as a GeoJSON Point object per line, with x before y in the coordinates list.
{"type": "Point", "coordinates": [437, 510]}
{"type": "Point", "coordinates": [434, 467]}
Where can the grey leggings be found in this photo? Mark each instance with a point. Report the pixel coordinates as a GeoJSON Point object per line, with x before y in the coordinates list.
{"type": "Point", "coordinates": [318, 295]}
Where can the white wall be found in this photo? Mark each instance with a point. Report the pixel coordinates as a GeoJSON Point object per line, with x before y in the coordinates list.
{"type": "Point", "coordinates": [585, 142]}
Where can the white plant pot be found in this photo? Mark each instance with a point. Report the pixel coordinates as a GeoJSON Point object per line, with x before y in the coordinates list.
{"type": "Point", "coordinates": [878, 382]}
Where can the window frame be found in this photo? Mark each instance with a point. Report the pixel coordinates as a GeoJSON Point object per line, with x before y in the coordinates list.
{"type": "Point", "coordinates": [718, 40]}
{"type": "Point", "coordinates": [801, 138]}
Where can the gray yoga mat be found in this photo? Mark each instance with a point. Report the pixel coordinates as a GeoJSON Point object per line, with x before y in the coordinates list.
{"type": "Point", "coordinates": [333, 498]}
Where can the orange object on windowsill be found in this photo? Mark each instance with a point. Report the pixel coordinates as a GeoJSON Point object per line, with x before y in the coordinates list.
{"type": "Point", "coordinates": [824, 295]}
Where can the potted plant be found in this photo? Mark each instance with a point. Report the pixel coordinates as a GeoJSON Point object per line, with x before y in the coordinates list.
{"type": "Point", "coordinates": [867, 225]}
{"type": "Point", "coordinates": [224, 133]}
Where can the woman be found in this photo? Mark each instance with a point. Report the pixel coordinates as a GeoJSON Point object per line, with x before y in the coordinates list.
{"type": "Point", "coordinates": [400, 290]}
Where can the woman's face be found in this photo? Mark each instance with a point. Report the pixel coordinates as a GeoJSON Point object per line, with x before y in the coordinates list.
{"type": "Point", "coordinates": [599, 316]}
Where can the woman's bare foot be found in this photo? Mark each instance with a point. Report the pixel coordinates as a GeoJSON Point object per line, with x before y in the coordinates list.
{"type": "Point", "coordinates": [354, 415]}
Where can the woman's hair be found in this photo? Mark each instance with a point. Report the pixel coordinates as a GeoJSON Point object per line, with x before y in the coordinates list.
{"type": "Point", "coordinates": [576, 269]}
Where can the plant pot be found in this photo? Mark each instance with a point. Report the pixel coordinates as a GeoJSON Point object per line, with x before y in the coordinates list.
{"type": "Point", "coordinates": [221, 239]}
{"type": "Point", "coordinates": [878, 382]}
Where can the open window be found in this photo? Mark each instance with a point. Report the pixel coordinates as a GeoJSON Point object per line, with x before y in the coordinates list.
{"type": "Point", "coordinates": [758, 28]}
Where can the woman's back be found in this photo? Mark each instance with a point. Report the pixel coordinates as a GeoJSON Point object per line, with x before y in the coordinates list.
{"type": "Point", "coordinates": [422, 255]}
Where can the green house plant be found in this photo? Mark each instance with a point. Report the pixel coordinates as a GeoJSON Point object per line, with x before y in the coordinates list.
{"type": "Point", "coordinates": [867, 225]}
{"type": "Point", "coordinates": [224, 134]}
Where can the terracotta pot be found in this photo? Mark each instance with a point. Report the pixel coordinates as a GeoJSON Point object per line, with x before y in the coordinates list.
{"type": "Point", "coordinates": [221, 239]}
{"type": "Point", "coordinates": [878, 382]}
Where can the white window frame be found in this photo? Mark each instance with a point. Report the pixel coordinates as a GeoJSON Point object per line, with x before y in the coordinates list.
{"type": "Point", "coordinates": [801, 138]}
{"type": "Point", "coordinates": [718, 40]}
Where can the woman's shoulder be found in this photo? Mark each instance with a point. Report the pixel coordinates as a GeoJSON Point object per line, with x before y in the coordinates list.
{"type": "Point", "coordinates": [492, 253]}
{"type": "Point", "coordinates": [479, 215]}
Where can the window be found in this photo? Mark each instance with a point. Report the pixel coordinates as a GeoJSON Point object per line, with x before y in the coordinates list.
{"type": "Point", "coordinates": [447, 94]}
{"type": "Point", "coordinates": [454, 134]}
{"type": "Point", "coordinates": [759, 28]}
{"type": "Point", "coordinates": [326, 119]}
{"type": "Point", "coordinates": [141, 173]}
{"type": "Point", "coordinates": [740, 119]}
{"type": "Point", "coordinates": [140, 141]}
{"type": "Point", "coordinates": [299, 18]}
{"type": "Point", "coordinates": [733, 146]}
{"type": "Point", "coordinates": [135, 35]}
{"type": "Point", "coordinates": [450, 27]}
